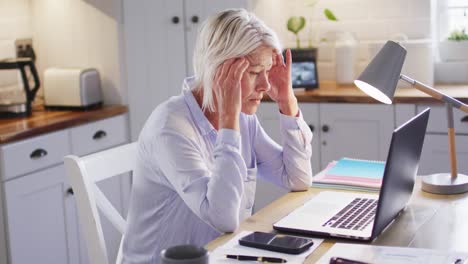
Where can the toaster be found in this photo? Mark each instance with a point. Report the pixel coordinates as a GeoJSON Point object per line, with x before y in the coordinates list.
{"type": "Point", "coordinates": [72, 88]}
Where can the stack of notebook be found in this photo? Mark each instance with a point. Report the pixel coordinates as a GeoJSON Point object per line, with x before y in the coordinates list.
{"type": "Point", "coordinates": [352, 174]}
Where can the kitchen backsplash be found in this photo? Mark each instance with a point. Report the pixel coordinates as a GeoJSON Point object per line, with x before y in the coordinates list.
{"type": "Point", "coordinates": [371, 21]}
{"type": "Point", "coordinates": [368, 19]}
{"type": "Point", "coordinates": [68, 33]}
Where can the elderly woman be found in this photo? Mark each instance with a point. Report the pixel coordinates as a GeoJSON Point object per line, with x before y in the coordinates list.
{"type": "Point", "coordinates": [199, 153]}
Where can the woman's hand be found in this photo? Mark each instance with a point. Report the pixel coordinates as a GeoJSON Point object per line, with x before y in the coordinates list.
{"type": "Point", "coordinates": [227, 88]}
{"type": "Point", "coordinates": [281, 84]}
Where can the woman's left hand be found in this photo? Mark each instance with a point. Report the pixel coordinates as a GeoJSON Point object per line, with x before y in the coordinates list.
{"type": "Point", "coordinates": [281, 84]}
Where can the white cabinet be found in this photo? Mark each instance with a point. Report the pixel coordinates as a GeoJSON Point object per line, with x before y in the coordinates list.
{"type": "Point", "coordinates": [159, 39]}
{"type": "Point", "coordinates": [360, 131]}
{"type": "Point", "coordinates": [340, 130]}
{"type": "Point", "coordinates": [42, 220]}
{"type": "Point", "coordinates": [39, 215]}
{"type": "Point", "coordinates": [435, 153]}
{"type": "Point", "coordinates": [352, 130]}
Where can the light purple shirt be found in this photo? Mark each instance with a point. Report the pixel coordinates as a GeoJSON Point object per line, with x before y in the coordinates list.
{"type": "Point", "coordinates": [193, 183]}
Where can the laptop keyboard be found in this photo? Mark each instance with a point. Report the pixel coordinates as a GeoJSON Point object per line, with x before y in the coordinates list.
{"type": "Point", "coordinates": [358, 214]}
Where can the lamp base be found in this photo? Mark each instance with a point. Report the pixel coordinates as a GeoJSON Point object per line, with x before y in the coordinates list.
{"type": "Point", "coordinates": [443, 183]}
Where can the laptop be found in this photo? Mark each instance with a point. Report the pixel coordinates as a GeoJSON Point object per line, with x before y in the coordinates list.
{"type": "Point", "coordinates": [362, 216]}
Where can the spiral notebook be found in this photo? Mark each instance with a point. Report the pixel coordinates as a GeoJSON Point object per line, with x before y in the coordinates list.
{"type": "Point", "coordinates": [355, 174]}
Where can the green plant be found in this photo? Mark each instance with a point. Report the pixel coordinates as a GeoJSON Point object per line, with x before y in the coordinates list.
{"type": "Point", "coordinates": [296, 23]}
{"type": "Point", "coordinates": [458, 35]}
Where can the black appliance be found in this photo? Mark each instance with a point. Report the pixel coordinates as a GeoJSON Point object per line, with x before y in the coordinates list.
{"type": "Point", "coordinates": [15, 102]}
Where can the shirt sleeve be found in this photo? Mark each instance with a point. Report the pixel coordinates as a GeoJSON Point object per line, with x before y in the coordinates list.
{"type": "Point", "coordinates": [212, 191]}
{"type": "Point", "coordinates": [287, 165]}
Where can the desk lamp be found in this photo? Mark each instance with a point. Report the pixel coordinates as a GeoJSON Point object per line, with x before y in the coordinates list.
{"type": "Point", "coordinates": [379, 80]}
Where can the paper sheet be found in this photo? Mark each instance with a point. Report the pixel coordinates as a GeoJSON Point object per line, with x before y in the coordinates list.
{"type": "Point", "coordinates": [392, 255]}
{"type": "Point", "coordinates": [232, 247]}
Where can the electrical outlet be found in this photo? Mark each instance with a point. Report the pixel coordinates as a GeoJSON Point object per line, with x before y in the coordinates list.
{"type": "Point", "coordinates": [21, 48]}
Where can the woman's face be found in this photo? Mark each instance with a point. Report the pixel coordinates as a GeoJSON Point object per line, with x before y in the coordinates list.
{"type": "Point", "coordinates": [255, 82]}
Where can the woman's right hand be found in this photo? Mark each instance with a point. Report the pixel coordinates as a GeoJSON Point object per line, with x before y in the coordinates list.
{"type": "Point", "coordinates": [227, 87]}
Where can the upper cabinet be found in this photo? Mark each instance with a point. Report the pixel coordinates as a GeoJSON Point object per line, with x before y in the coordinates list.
{"type": "Point", "coordinates": [159, 40]}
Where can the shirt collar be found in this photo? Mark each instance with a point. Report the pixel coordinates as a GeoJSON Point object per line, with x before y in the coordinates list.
{"type": "Point", "coordinates": [200, 119]}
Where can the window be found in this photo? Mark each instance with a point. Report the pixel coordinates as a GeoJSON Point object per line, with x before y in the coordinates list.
{"type": "Point", "coordinates": [456, 17]}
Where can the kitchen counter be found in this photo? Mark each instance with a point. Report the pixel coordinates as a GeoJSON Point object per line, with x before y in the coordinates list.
{"type": "Point", "coordinates": [330, 92]}
{"type": "Point", "coordinates": [44, 121]}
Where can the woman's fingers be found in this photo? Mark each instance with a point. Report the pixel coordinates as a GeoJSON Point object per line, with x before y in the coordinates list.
{"type": "Point", "coordinates": [288, 58]}
{"type": "Point", "coordinates": [240, 68]}
{"type": "Point", "coordinates": [225, 68]}
{"type": "Point", "coordinates": [279, 58]}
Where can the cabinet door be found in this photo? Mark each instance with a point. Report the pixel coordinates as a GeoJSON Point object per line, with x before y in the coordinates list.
{"type": "Point", "coordinates": [196, 11]}
{"type": "Point", "coordinates": [355, 130]}
{"type": "Point", "coordinates": [155, 55]}
{"type": "Point", "coordinates": [403, 113]}
{"type": "Point", "coordinates": [41, 217]}
{"type": "Point", "coordinates": [435, 154]}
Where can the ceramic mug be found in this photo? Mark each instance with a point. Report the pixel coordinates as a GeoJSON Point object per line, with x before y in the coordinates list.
{"type": "Point", "coordinates": [184, 254]}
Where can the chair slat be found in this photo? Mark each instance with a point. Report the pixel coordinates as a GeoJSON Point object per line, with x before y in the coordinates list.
{"type": "Point", "coordinates": [84, 173]}
{"type": "Point", "coordinates": [109, 210]}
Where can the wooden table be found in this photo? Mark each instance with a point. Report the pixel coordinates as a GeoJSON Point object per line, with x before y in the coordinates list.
{"type": "Point", "coordinates": [430, 221]}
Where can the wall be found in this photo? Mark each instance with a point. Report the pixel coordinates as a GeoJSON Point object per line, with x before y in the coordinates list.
{"type": "Point", "coordinates": [15, 19]}
{"type": "Point", "coordinates": [370, 20]}
{"type": "Point", "coordinates": [15, 23]}
{"type": "Point", "coordinates": [78, 33]}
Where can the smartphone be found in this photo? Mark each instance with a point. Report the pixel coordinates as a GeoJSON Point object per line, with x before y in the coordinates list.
{"type": "Point", "coordinates": [277, 242]}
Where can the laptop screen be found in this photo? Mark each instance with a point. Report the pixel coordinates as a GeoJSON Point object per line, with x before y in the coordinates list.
{"type": "Point", "coordinates": [400, 170]}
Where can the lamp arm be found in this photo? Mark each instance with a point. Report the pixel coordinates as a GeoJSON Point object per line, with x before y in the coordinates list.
{"type": "Point", "coordinates": [435, 93]}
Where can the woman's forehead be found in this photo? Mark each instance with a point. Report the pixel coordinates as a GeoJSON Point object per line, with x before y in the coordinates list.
{"type": "Point", "coordinates": [262, 56]}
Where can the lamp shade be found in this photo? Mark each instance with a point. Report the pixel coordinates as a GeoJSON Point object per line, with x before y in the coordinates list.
{"type": "Point", "coordinates": [379, 79]}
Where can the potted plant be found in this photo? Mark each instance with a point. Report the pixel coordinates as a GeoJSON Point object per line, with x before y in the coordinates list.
{"type": "Point", "coordinates": [304, 72]}
{"type": "Point", "coordinates": [455, 47]}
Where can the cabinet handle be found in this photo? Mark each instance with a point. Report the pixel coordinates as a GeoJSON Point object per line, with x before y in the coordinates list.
{"type": "Point", "coordinates": [464, 119]}
{"type": "Point", "coordinates": [70, 191]}
{"type": "Point", "coordinates": [311, 127]}
{"type": "Point", "coordinates": [99, 135]}
{"type": "Point", "coordinates": [195, 19]}
{"type": "Point", "coordinates": [38, 153]}
{"type": "Point", "coordinates": [175, 20]}
{"type": "Point", "coordinates": [325, 128]}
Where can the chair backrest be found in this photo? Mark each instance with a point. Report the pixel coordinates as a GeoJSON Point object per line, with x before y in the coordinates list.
{"type": "Point", "coordinates": [84, 172]}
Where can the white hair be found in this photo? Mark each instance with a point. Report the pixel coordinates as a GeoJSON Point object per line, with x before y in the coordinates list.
{"type": "Point", "coordinates": [228, 34]}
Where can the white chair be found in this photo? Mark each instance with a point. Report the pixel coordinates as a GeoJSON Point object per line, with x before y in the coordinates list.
{"type": "Point", "coordinates": [84, 172]}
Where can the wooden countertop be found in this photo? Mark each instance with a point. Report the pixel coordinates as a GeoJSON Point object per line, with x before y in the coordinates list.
{"type": "Point", "coordinates": [330, 92]}
{"type": "Point", "coordinates": [44, 121]}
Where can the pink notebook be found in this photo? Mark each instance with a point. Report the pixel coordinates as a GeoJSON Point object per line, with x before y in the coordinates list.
{"type": "Point", "coordinates": [353, 172]}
